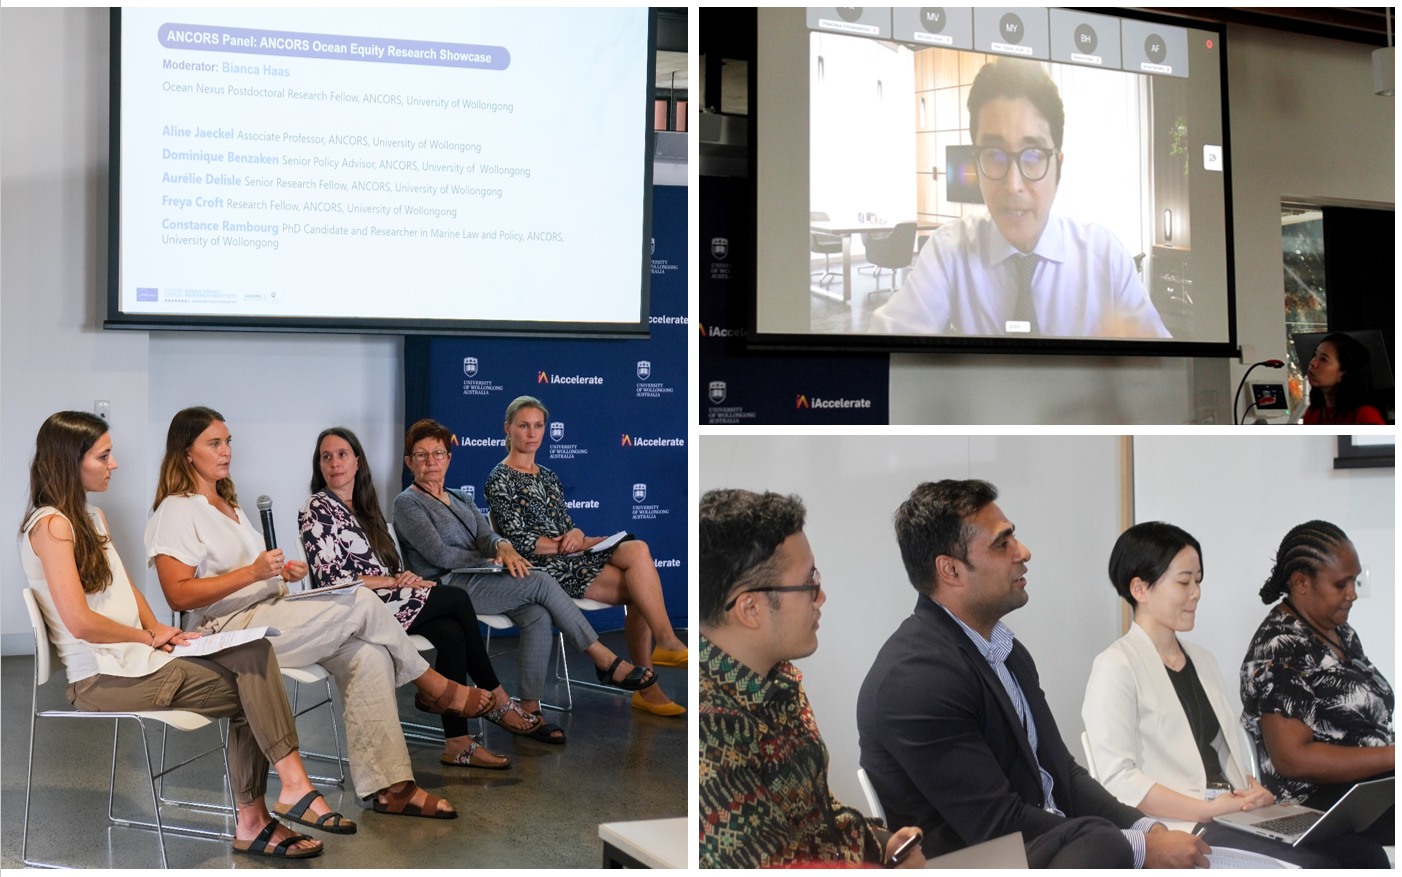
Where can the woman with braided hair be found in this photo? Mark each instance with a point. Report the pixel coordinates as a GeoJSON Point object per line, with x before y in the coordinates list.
{"type": "Point", "coordinates": [1318, 710]}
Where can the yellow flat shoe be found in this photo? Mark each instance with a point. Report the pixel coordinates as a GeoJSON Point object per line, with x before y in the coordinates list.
{"type": "Point", "coordinates": [657, 709]}
{"type": "Point", "coordinates": [664, 658]}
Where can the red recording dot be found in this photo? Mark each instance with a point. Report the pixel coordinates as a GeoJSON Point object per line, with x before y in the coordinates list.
{"type": "Point", "coordinates": [1209, 44]}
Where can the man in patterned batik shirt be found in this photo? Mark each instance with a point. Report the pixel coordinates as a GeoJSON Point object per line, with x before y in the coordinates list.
{"type": "Point", "coordinates": [764, 769]}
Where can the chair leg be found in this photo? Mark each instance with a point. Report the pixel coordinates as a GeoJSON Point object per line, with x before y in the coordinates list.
{"type": "Point", "coordinates": [29, 782]}
{"type": "Point", "coordinates": [112, 782]}
{"type": "Point", "coordinates": [155, 798]}
{"type": "Point", "coordinates": [569, 695]}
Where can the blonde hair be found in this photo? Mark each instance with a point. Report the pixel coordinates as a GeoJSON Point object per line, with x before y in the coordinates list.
{"type": "Point", "coordinates": [177, 475]}
{"type": "Point", "coordinates": [517, 404]}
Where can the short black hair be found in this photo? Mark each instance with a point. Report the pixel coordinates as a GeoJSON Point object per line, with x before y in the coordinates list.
{"type": "Point", "coordinates": [740, 530]}
{"type": "Point", "coordinates": [1145, 551]}
{"type": "Point", "coordinates": [934, 521]}
{"type": "Point", "coordinates": [1011, 78]}
{"type": "Point", "coordinates": [1355, 388]}
{"type": "Point", "coordinates": [1302, 550]}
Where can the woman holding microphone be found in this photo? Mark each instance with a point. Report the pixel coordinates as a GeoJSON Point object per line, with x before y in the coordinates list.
{"type": "Point", "coordinates": [117, 655]}
{"type": "Point", "coordinates": [213, 567]}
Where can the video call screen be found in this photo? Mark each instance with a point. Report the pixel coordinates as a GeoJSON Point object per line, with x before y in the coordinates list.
{"type": "Point", "coordinates": [1004, 178]}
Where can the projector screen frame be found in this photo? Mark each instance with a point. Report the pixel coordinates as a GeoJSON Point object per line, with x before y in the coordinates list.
{"type": "Point", "coordinates": [962, 344]}
{"type": "Point", "coordinates": [116, 319]}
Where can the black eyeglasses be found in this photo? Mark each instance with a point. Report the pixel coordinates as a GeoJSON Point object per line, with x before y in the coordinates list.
{"type": "Point", "coordinates": [814, 585]}
{"type": "Point", "coordinates": [1033, 162]}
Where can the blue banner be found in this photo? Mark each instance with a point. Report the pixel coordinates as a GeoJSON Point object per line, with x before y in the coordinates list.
{"type": "Point", "coordinates": [743, 387]}
{"type": "Point", "coordinates": [617, 430]}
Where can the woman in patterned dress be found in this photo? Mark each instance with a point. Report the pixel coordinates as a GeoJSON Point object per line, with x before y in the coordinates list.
{"type": "Point", "coordinates": [528, 508]}
{"type": "Point", "coordinates": [346, 537]}
{"type": "Point", "coordinates": [1319, 711]}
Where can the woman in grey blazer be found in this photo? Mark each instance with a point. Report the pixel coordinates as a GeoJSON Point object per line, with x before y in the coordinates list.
{"type": "Point", "coordinates": [440, 530]}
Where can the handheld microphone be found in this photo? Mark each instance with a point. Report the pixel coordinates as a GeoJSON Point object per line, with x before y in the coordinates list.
{"type": "Point", "coordinates": [265, 511]}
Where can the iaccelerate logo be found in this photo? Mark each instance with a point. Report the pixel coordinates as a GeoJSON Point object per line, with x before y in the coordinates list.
{"type": "Point", "coordinates": [559, 451]}
{"type": "Point", "coordinates": [720, 331]}
{"type": "Point", "coordinates": [666, 564]}
{"type": "Point", "coordinates": [581, 503]}
{"type": "Point", "coordinates": [472, 385]}
{"type": "Point", "coordinates": [649, 389]}
{"type": "Point", "coordinates": [804, 402]}
{"type": "Point", "coordinates": [640, 442]}
{"type": "Point", "coordinates": [470, 442]}
{"type": "Point", "coordinates": [664, 320]}
{"type": "Point", "coordinates": [543, 378]}
{"type": "Point", "coordinates": [642, 510]}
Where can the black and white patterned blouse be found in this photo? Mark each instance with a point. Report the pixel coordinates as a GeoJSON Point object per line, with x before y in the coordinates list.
{"type": "Point", "coordinates": [527, 507]}
{"type": "Point", "coordinates": [1289, 671]}
{"type": "Point", "coordinates": [338, 551]}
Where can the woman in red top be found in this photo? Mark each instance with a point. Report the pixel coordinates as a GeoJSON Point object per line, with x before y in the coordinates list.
{"type": "Point", "coordinates": [1340, 381]}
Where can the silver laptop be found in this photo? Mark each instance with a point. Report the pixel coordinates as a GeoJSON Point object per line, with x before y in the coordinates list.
{"type": "Point", "coordinates": [1003, 852]}
{"type": "Point", "coordinates": [1290, 823]}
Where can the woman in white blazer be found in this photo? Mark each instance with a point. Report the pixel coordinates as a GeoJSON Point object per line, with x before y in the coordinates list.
{"type": "Point", "coordinates": [1162, 732]}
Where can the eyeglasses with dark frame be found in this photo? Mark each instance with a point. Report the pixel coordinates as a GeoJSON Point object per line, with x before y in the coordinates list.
{"type": "Point", "coordinates": [1033, 162]}
{"type": "Point", "coordinates": [814, 585]}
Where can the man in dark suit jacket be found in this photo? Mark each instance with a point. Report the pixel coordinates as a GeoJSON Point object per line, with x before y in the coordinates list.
{"type": "Point", "coordinates": [955, 732]}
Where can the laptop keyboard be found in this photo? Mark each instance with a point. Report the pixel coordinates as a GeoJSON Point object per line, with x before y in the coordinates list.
{"type": "Point", "coordinates": [1290, 824]}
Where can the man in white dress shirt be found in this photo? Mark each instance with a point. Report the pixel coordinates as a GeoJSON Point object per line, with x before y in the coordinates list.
{"type": "Point", "coordinates": [1022, 269]}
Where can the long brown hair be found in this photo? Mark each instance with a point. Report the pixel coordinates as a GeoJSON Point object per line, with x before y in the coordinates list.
{"type": "Point", "coordinates": [56, 479]}
{"type": "Point", "coordinates": [177, 475]}
{"type": "Point", "coordinates": [365, 502]}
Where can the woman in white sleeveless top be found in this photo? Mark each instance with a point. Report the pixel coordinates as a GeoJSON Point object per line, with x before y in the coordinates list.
{"type": "Point", "coordinates": [116, 653]}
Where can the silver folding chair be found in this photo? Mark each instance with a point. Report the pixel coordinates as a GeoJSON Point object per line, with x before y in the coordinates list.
{"type": "Point", "coordinates": [181, 720]}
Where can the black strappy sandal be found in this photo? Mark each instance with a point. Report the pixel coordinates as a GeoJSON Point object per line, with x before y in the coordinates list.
{"type": "Point", "coordinates": [636, 680]}
{"type": "Point", "coordinates": [299, 813]}
{"type": "Point", "coordinates": [259, 845]}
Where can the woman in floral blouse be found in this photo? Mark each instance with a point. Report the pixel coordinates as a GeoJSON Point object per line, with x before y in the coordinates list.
{"type": "Point", "coordinates": [1320, 712]}
{"type": "Point", "coordinates": [528, 508]}
{"type": "Point", "coordinates": [346, 538]}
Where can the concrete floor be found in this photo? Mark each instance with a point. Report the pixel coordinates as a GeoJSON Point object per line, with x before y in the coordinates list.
{"type": "Point", "coordinates": [619, 764]}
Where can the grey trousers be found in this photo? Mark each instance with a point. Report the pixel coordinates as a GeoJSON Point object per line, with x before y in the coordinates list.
{"type": "Point", "coordinates": [535, 602]}
{"type": "Point", "coordinates": [363, 646]}
{"type": "Point", "coordinates": [242, 684]}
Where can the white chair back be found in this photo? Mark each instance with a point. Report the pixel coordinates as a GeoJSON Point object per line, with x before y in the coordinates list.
{"type": "Point", "coordinates": [43, 652]}
{"type": "Point", "coordinates": [870, 791]}
{"type": "Point", "coordinates": [1248, 749]}
{"type": "Point", "coordinates": [1090, 759]}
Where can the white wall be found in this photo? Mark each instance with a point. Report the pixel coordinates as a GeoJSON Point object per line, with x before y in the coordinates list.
{"type": "Point", "coordinates": [1062, 493]}
{"type": "Point", "coordinates": [277, 390]}
{"type": "Point", "coordinates": [1239, 497]}
{"type": "Point", "coordinates": [1296, 103]}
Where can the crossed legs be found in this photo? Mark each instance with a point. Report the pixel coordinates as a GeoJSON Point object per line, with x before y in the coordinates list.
{"type": "Point", "coordinates": [630, 579]}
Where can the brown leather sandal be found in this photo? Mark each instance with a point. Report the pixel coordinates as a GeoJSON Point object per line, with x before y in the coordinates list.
{"type": "Point", "coordinates": [453, 693]}
{"type": "Point", "coordinates": [402, 804]}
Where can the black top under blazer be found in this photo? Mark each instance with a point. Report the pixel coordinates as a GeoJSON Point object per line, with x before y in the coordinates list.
{"type": "Point", "coordinates": [944, 748]}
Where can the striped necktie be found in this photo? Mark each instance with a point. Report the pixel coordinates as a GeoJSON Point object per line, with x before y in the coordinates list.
{"type": "Point", "coordinates": [1026, 266]}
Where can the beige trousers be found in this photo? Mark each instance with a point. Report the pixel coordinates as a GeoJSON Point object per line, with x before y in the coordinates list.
{"type": "Point", "coordinates": [242, 684]}
{"type": "Point", "coordinates": [363, 646]}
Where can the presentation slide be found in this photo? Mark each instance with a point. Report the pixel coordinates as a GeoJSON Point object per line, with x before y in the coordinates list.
{"type": "Point", "coordinates": [484, 165]}
{"type": "Point", "coordinates": [1006, 174]}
